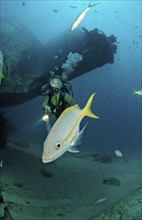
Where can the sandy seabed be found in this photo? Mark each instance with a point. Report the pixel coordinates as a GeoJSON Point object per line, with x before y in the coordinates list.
{"type": "Point", "coordinates": [70, 188]}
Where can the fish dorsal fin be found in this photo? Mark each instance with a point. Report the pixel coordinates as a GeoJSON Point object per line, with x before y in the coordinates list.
{"type": "Point", "coordinates": [73, 149]}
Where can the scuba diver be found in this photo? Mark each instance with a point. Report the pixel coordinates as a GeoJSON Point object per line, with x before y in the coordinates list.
{"type": "Point", "coordinates": [58, 96]}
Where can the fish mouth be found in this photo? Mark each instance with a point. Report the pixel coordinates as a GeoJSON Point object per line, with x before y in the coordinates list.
{"type": "Point", "coordinates": [45, 160]}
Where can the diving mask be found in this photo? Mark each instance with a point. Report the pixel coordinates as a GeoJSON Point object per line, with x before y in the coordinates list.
{"type": "Point", "coordinates": [56, 83]}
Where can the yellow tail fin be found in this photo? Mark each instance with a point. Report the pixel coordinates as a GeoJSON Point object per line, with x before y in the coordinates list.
{"type": "Point", "coordinates": [87, 109]}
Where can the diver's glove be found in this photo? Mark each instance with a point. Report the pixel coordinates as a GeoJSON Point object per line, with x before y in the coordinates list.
{"type": "Point", "coordinates": [47, 109]}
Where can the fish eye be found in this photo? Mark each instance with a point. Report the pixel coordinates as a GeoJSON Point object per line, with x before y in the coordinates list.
{"type": "Point", "coordinates": [58, 145]}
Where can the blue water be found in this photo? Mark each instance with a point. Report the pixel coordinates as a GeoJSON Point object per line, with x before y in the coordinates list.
{"type": "Point", "coordinates": [120, 112]}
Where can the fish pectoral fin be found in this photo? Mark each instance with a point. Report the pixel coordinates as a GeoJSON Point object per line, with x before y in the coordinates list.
{"type": "Point", "coordinates": [78, 139]}
{"type": "Point", "coordinates": [73, 149]}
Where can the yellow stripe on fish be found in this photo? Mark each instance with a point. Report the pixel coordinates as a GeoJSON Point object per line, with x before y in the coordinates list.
{"type": "Point", "coordinates": [86, 111]}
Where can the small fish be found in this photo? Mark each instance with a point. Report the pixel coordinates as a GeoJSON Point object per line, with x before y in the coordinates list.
{"type": "Point", "coordinates": [96, 11]}
{"type": "Point", "coordinates": [137, 92]}
{"type": "Point", "coordinates": [118, 153]}
{"type": "Point", "coordinates": [1, 67]}
{"type": "Point", "coordinates": [72, 6]}
{"type": "Point", "coordinates": [1, 163]}
{"type": "Point", "coordinates": [29, 57]}
{"type": "Point", "coordinates": [65, 134]}
{"type": "Point", "coordinates": [80, 18]}
{"type": "Point", "coordinates": [101, 200]}
{"type": "Point", "coordinates": [56, 57]}
{"type": "Point", "coordinates": [60, 50]}
{"type": "Point", "coordinates": [55, 10]}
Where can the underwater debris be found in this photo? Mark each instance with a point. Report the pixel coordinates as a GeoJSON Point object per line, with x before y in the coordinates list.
{"type": "Point", "coordinates": [2, 206]}
{"type": "Point", "coordinates": [1, 67]}
{"type": "Point", "coordinates": [3, 131]}
{"type": "Point", "coordinates": [4, 209]}
{"type": "Point", "coordinates": [111, 181]}
{"type": "Point", "coordinates": [18, 184]}
{"type": "Point", "coordinates": [60, 214]}
{"type": "Point", "coordinates": [102, 158]}
{"type": "Point", "coordinates": [46, 173]}
{"type": "Point", "coordinates": [27, 63]}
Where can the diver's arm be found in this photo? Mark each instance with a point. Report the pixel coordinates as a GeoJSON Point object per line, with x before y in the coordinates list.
{"type": "Point", "coordinates": [46, 107]}
{"type": "Point", "coordinates": [45, 89]}
{"type": "Point", "coordinates": [45, 101]}
{"type": "Point", "coordinates": [69, 99]}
